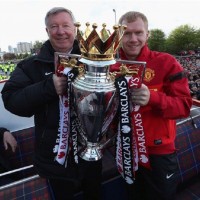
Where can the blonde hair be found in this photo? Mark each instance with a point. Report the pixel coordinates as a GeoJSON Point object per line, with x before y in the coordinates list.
{"type": "Point", "coordinates": [132, 16]}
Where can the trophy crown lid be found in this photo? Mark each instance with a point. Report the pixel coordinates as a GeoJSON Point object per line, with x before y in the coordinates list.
{"type": "Point", "coordinates": [99, 46]}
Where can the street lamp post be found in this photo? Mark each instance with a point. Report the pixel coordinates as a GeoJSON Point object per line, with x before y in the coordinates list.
{"type": "Point", "coordinates": [115, 16]}
{"type": "Point", "coordinates": [117, 53]}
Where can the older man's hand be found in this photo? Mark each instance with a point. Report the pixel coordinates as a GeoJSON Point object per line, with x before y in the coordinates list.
{"type": "Point", "coordinates": [9, 139]}
{"type": "Point", "coordinates": [60, 84]}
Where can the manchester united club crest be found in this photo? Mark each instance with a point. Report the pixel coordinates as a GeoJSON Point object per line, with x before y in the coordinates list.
{"type": "Point", "coordinates": [149, 74]}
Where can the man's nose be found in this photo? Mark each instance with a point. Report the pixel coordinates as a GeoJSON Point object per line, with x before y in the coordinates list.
{"type": "Point", "coordinates": [133, 37]}
{"type": "Point", "coordinates": [61, 30]}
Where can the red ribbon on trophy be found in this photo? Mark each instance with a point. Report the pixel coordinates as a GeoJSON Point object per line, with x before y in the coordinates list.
{"type": "Point", "coordinates": [124, 151]}
{"type": "Point", "coordinates": [131, 145]}
{"type": "Point", "coordinates": [67, 133]}
{"type": "Point", "coordinates": [136, 116]}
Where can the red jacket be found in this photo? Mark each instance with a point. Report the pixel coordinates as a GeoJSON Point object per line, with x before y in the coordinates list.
{"type": "Point", "coordinates": [169, 99]}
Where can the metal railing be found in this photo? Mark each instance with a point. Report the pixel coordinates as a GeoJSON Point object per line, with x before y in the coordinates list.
{"type": "Point", "coordinates": [19, 181]}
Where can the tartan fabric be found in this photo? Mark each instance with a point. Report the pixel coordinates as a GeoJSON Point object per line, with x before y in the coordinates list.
{"type": "Point", "coordinates": [24, 152]}
{"type": "Point", "coordinates": [191, 191]}
{"type": "Point", "coordinates": [188, 149]}
{"type": "Point", "coordinates": [195, 189]}
{"type": "Point", "coordinates": [36, 189]}
{"type": "Point", "coordinates": [186, 195]}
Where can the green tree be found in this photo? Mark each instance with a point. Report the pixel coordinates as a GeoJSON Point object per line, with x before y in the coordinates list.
{"type": "Point", "coordinates": [157, 40]}
{"type": "Point", "coordinates": [36, 46]}
{"type": "Point", "coordinates": [184, 37]}
{"type": "Point", "coordinates": [26, 55]}
{"type": "Point", "coordinates": [9, 56]}
{"type": "Point", "coordinates": [197, 39]}
{"type": "Point", "coordinates": [20, 56]}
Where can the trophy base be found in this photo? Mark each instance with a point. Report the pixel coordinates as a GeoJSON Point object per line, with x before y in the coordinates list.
{"type": "Point", "coordinates": [92, 152]}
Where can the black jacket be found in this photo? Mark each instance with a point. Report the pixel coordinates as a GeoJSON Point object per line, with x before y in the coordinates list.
{"type": "Point", "coordinates": [30, 91]}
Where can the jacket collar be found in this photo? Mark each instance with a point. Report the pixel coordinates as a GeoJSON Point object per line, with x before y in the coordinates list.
{"type": "Point", "coordinates": [46, 53]}
{"type": "Point", "coordinates": [143, 56]}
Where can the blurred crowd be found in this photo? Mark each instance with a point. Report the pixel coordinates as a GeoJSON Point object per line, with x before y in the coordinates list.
{"type": "Point", "coordinates": [191, 64]}
{"type": "Point", "coordinates": [6, 69]}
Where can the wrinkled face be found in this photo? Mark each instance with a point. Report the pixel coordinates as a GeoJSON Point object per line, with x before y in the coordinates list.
{"type": "Point", "coordinates": [134, 38]}
{"type": "Point", "coordinates": [61, 31]}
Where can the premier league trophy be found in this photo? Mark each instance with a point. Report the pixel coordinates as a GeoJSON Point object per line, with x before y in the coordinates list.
{"type": "Point", "coordinates": [95, 94]}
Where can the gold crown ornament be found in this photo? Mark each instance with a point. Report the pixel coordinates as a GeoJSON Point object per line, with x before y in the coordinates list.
{"type": "Point", "coordinates": [102, 46]}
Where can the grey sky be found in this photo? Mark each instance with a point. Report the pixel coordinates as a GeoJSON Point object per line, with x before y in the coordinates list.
{"type": "Point", "coordinates": [23, 20]}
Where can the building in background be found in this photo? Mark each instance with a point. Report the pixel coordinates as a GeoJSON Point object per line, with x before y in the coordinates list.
{"type": "Point", "coordinates": [15, 50]}
{"type": "Point", "coordinates": [24, 47]}
{"type": "Point", "coordinates": [1, 54]}
{"type": "Point", "coordinates": [10, 49]}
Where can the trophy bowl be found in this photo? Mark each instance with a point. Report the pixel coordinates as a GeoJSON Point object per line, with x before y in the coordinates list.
{"type": "Point", "coordinates": [96, 103]}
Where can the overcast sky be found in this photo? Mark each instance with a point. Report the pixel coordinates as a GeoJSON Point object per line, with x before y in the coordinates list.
{"type": "Point", "coordinates": [23, 20]}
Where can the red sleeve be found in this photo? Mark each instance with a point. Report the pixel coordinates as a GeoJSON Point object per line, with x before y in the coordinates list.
{"type": "Point", "coordinates": [175, 100]}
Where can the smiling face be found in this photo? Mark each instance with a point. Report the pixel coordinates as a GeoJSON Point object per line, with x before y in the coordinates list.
{"type": "Point", "coordinates": [61, 31]}
{"type": "Point", "coordinates": [134, 38]}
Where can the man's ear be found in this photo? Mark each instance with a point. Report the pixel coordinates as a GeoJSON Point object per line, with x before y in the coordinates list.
{"type": "Point", "coordinates": [75, 31]}
{"type": "Point", "coordinates": [47, 31]}
{"type": "Point", "coordinates": [148, 34]}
